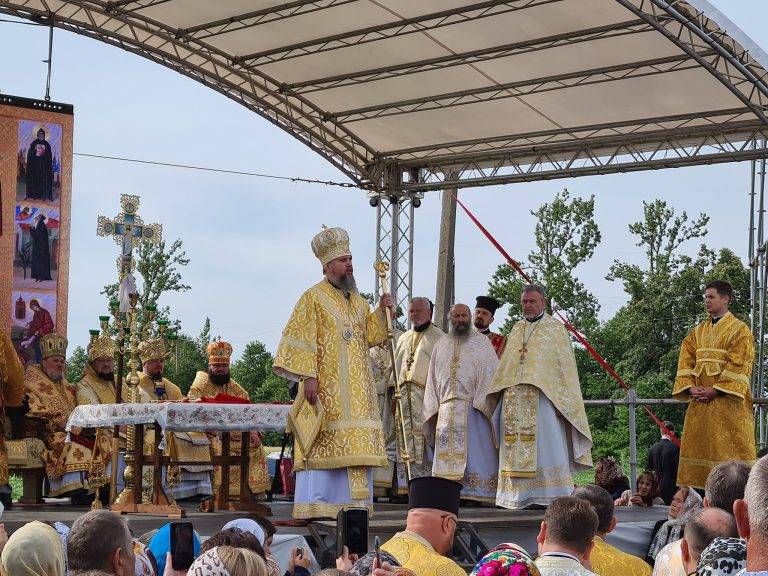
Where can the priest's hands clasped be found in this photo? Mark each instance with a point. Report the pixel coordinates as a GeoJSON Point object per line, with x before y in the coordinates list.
{"type": "Point", "coordinates": [703, 394]}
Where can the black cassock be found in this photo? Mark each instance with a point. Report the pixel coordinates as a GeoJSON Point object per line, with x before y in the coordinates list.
{"type": "Point", "coordinates": [39, 171]}
{"type": "Point", "coordinates": [41, 252]}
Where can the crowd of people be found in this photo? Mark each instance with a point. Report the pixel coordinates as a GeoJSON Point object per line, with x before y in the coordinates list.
{"type": "Point", "coordinates": [723, 534]}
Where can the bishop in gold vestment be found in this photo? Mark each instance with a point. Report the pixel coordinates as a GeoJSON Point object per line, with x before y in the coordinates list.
{"type": "Point", "coordinates": [11, 400]}
{"type": "Point", "coordinates": [717, 354]}
{"type": "Point", "coordinates": [325, 347]}
{"type": "Point", "coordinates": [543, 432]}
{"type": "Point", "coordinates": [51, 401]}
{"type": "Point", "coordinates": [217, 381]}
{"type": "Point", "coordinates": [460, 373]}
{"type": "Point", "coordinates": [412, 354]}
{"type": "Point", "coordinates": [194, 480]}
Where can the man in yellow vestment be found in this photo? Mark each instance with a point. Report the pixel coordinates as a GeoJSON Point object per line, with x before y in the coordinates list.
{"type": "Point", "coordinates": [193, 480]}
{"type": "Point", "coordinates": [433, 509]}
{"type": "Point", "coordinates": [51, 401]}
{"type": "Point", "coordinates": [217, 381]}
{"type": "Point", "coordinates": [713, 375]}
{"type": "Point", "coordinates": [97, 386]}
{"type": "Point", "coordinates": [325, 348]}
{"type": "Point", "coordinates": [412, 354]}
{"type": "Point", "coordinates": [11, 400]}
{"type": "Point", "coordinates": [381, 369]}
{"type": "Point", "coordinates": [460, 372]}
{"type": "Point", "coordinates": [544, 436]}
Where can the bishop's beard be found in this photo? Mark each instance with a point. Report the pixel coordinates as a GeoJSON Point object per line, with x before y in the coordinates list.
{"type": "Point", "coordinates": [218, 379]}
{"type": "Point", "coordinates": [346, 283]}
{"type": "Point", "coordinates": [107, 376]}
{"type": "Point", "coordinates": [460, 332]}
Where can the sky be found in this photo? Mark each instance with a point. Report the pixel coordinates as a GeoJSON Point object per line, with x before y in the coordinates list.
{"type": "Point", "coordinates": [248, 239]}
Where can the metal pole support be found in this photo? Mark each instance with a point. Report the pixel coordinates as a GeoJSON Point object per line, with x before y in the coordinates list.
{"type": "Point", "coordinates": [632, 404]}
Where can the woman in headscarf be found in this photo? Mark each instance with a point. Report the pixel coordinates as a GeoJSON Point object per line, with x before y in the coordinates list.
{"type": "Point", "coordinates": [647, 492]}
{"type": "Point", "coordinates": [684, 503]}
{"type": "Point", "coordinates": [228, 561]}
{"type": "Point", "coordinates": [506, 560]}
{"type": "Point", "coordinates": [610, 476]}
{"type": "Point", "coordinates": [33, 550]}
{"type": "Point", "coordinates": [724, 557]}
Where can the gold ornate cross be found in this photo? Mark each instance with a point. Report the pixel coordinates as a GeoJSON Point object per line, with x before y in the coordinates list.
{"type": "Point", "coordinates": [127, 228]}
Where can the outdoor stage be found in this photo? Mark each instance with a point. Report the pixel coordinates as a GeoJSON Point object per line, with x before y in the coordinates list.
{"type": "Point", "coordinates": [491, 525]}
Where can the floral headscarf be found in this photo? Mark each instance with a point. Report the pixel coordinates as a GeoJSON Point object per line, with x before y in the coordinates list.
{"type": "Point", "coordinates": [506, 560]}
{"type": "Point", "coordinates": [144, 565]}
{"type": "Point", "coordinates": [723, 557]}
{"type": "Point", "coordinates": [672, 530]}
{"type": "Point", "coordinates": [208, 564]}
{"type": "Point", "coordinates": [607, 471]}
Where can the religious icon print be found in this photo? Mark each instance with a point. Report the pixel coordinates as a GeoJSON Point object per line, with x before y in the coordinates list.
{"type": "Point", "coordinates": [33, 316]}
{"type": "Point", "coordinates": [39, 161]}
{"type": "Point", "coordinates": [36, 247]}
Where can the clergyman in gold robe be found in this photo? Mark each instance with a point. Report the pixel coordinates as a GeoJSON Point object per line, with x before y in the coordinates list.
{"type": "Point", "coordinates": [325, 348]}
{"type": "Point", "coordinates": [97, 386]}
{"type": "Point", "coordinates": [193, 480]}
{"type": "Point", "coordinates": [12, 402]}
{"type": "Point", "coordinates": [412, 355]}
{"type": "Point", "coordinates": [51, 401]}
{"type": "Point", "coordinates": [381, 369]}
{"type": "Point", "coordinates": [217, 380]}
{"type": "Point", "coordinates": [713, 375]}
{"type": "Point", "coordinates": [543, 432]}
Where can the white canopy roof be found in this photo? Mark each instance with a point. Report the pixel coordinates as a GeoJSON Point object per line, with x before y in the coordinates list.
{"type": "Point", "coordinates": [428, 94]}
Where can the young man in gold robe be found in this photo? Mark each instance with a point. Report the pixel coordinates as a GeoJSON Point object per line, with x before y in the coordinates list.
{"type": "Point", "coordinates": [193, 480]}
{"type": "Point", "coordinates": [412, 355]}
{"type": "Point", "coordinates": [325, 348]}
{"type": "Point", "coordinates": [215, 381]}
{"type": "Point", "coordinates": [51, 401]}
{"type": "Point", "coordinates": [97, 386]}
{"type": "Point", "coordinates": [713, 375]}
{"type": "Point", "coordinates": [543, 433]}
{"type": "Point", "coordinates": [12, 403]}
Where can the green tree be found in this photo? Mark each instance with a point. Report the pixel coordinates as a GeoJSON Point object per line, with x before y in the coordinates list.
{"type": "Point", "coordinates": [566, 236]}
{"type": "Point", "coordinates": [76, 365]}
{"type": "Point", "coordinates": [160, 268]}
{"type": "Point", "coordinates": [189, 357]}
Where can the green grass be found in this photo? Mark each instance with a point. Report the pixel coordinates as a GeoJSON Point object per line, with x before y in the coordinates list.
{"type": "Point", "coordinates": [585, 477]}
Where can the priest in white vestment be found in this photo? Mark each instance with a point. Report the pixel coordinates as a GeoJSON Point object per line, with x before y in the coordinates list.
{"type": "Point", "coordinates": [539, 415]}
{"type": "Point", "coordinates": [460, 372]}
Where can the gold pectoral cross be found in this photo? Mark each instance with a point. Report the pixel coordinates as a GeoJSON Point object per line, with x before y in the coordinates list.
{"type": "Point", "coordinates": [523, 352]}
{"type": "Point", "coordinates": [409, 363]}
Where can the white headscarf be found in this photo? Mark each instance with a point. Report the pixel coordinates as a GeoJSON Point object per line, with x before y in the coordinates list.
{"type": "Point", "coordinates": [33, 550]}
{"type": "Point", "coordinates": [672, 530]}
{"type": "Point", "coordinates": [247, 525]}
{"type": "Point", "coordinates": [208, 564]}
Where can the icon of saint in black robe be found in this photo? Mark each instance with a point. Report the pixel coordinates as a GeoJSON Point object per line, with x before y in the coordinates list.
{"type": "Point", "coordinates": [40, 263]}
{"type": "Point", "coordinates": [39, 174]}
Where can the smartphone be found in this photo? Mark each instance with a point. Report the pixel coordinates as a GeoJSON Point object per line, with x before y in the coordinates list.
{"type": "Point", "coordinates": [299, 552]}
{"type": "Point", "coordinates": [352, 531]}
{"type": "Point", "coordinates": [377, 550]}
{"type": "Point", "coordinates": [182, 546]}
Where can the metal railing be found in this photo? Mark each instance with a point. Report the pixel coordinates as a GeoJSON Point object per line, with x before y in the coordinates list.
{"type": "Point", "coordinates": [632, 402]}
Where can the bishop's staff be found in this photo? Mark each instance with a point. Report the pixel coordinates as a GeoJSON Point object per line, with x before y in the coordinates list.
{"type": "Point", "coordinates": [382, 268]}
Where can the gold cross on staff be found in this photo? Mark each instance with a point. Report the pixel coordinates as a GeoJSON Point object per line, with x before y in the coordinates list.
{"type": "Point", "coordinates": [127, 228]}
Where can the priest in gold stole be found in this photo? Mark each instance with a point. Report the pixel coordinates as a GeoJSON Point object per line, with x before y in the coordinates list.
{"type": "Point", "coordinates": [216, 381]}
{"type": "Point", "coordinates": [460, 372]}
{"type": "Point", "coordinates": [412, 354]}
{"type": "Point", "coordinates": [51, 401]}
{"type": "Point", "coordinates": [11, 401]}
{"type": "Point", "coordinates": [713, 375]}
{"type": "Point", "coordinates": [97, 386]}
{"type": "Point", "coordinates": [194, 480]}
{"type": "Point", "coordinates": [543, 432]}
{"type": "Point", "coordinates": [325, 348]}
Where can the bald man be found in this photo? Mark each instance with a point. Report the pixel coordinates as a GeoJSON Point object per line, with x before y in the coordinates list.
{"type": "Point", "coordinates": [461, 437]}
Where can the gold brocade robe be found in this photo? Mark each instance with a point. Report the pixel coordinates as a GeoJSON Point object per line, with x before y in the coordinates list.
{"type": "Point", "coordinates": [718, 356]}
{"type": "Point", "coordinates": [184, 446]}
{"type": "Point", "coordinates": [328, 337]}
{"type": "Point", "coordinates": [11, 393]}
{"type": "Point", "coordinates": [93, 390]}
{"type": "Point", "coordinates": [52, 403]}
{"type": "Point", "coordinates": [258, 477]}
{"type": "Point", "coordinates": [412, 355]}
{"type": "Point", "coordinates": [381, 368]}
{"type": "Point", "coordinates": [415, 553]}
{"type": "Point", "coordinates": [608, 560]}
{"type": "Point", "coordinates": [538, 358]}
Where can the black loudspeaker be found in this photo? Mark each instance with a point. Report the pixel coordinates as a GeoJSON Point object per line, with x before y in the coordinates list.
{"type": "Point", "coordinates": [352, 531]}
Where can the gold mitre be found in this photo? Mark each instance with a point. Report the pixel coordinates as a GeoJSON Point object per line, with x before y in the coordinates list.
{"type": "Point", "coordinates": [53, 345]}
{"type": "Point", "coordinates": [101, 347]}
{"type": "Point", "coordinates": [331, 243]}
{"type": "Point", "coordinates": [152, 349]}
{"type": "Point", "coordinates": [219, 352]}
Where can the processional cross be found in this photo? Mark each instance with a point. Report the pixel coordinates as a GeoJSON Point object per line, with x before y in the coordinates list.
{"type": "Point", "coordinates": [127, 228]}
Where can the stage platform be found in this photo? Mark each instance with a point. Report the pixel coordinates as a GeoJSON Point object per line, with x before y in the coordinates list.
{"type": "Point", "coordinates": [481, 526]}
